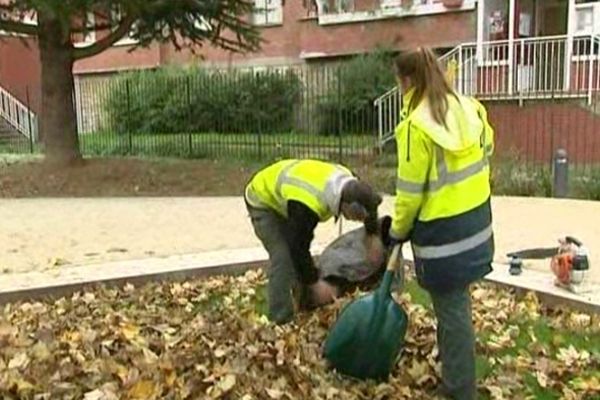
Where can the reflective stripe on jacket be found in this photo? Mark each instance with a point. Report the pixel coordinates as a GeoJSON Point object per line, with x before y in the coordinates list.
{"type": "Point", "coordinates": [316, 184]}
{"type": "Point", "coordinates": [443, 191]}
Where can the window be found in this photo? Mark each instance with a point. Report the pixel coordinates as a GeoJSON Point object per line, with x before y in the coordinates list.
{"type": "Point", "coordinates": [408, 4]}
{"type": "Point", "coordinates": [202, 24]}
{"type": "Point", "coordinates": [89, 37]}
{"type": "Point", "coordinates": [337, 6]}
{"type": "Point", "coordinates": [30, 18]}
{"type": "Point", "coordinates": [584, 20]}
{"type": "Point", "coordinates": [115, 17]}
{"type": "Point", "coordinates": [268, 12]}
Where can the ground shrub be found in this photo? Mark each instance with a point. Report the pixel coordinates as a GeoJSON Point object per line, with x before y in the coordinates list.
{"type": "Point", "coordinates": [196, 100]}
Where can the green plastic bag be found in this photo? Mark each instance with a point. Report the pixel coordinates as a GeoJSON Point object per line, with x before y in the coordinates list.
{"type": "Point", "coordinates": [368, 336]}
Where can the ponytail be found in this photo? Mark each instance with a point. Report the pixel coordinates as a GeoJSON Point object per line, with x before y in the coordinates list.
{"type": "Point", "coordinates": [427, 76]}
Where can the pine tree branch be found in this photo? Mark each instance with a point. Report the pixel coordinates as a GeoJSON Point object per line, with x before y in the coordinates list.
{"type": "Point", "coordinates": [18, 27]}
{"type": "Point", "coordinates": [106, 42]}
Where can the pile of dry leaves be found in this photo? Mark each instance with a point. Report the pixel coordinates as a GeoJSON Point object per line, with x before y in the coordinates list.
{"type": "Point", "coordinates": [206, 339]}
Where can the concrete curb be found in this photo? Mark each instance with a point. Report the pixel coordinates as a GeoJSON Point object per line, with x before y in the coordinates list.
{"type": "Point", "coordinates": [58, 282]}
{"type": "Point", "coordinates": [66, 280]}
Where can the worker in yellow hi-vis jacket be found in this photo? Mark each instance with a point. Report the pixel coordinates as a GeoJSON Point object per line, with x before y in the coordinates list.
{"type": "Point", "coordinates": [443, 205]}
{"type": "Point", "coordinates": [286, 201]}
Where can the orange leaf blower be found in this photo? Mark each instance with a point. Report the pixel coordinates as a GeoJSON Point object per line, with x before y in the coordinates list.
{"type": "Point", "coordinates": [569, 261]}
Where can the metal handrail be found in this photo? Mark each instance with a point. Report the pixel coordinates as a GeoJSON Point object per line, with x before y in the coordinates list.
{"type": "Point", "coordinates": [18, 115]}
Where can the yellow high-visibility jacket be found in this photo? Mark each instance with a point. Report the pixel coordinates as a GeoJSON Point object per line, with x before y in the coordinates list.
{"type": "Point", "coordinates": [443, 192]}
{"type": "Point", "coordinates": [314, 183]}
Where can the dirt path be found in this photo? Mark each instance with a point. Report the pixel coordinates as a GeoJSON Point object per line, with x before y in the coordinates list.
{"type": "Point", "coordinates": [38, 234]}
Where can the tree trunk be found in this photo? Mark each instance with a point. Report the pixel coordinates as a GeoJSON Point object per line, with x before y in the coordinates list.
{"type": "Point", "coordinates": [58, 120]}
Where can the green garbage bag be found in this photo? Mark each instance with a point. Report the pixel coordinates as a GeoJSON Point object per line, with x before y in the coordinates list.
{"type": "Point", "coordinates": [367, 338]}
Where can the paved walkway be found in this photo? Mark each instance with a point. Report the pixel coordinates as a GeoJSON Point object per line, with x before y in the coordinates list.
{"type": "Point", "coordinates": [44, 234]}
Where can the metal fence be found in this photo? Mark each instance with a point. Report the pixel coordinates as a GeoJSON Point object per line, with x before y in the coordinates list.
{"type": "Point", "coordinates": [331, 112]}
{"type": "Point", "coordinates": [283, 112]}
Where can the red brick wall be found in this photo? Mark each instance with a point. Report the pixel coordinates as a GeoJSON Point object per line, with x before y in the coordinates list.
{"type": "Point", "coordinates": [20, 69]}
{"type": "Point", "coordinates": [300, 34]}
{"type": "Point", "coordinates": [535, 131]}
{"type": "Point", "coordinates": [119, 58]}
{"type": "Point", "coordinates": [398, 33]}
{"type": "Point", "coordinates": [279, 41]}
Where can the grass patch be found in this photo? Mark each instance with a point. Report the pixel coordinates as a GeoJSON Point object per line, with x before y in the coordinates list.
{"type": "Point", "coordinates": [202, 145]}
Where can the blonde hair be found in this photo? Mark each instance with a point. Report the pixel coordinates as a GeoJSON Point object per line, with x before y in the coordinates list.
{"type": "Point", "coordinates": [427, 76]}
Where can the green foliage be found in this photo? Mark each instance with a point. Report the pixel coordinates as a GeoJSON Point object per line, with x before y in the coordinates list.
{"type": "Point", "coordinates": [181, 22]}
{"type": "Point", "coordinates": [514, 177]}
{"type": "Point", "coordinates": [588, 186]}
{"type": "Point", "coordinates": [348, 106]}
{"type": "Point", "coordinates": [196, 100]}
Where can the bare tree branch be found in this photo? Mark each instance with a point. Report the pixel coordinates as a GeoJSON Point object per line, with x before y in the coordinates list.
{"type": "Point", "coordinates": [106, 42]}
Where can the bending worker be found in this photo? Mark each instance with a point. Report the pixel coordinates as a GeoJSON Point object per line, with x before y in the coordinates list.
{"type": "Point", "coordinates": [443, 205]}
{"type": "Point", "coordinates": [286, 201]}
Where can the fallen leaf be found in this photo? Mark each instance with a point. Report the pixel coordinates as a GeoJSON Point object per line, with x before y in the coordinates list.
{"type": "Point", "coordinates": [20, 361]}
{"type": "Point", "coordinates": [94, 395]}
{"type": "Point", "coordinates": [226, 383]}
{"type": "Point", "coordinates": [586, 384]}
{"type": "Point", "coordinates": [542, 379]}
{"type": "Point", "coordinates": [274, 393]}
{"type": "Point", "coordinates": [40, 351]}
{"type": "Point", "coordinates": [142, 390]}
{"type": "Point", "coordinates": [130, 331]}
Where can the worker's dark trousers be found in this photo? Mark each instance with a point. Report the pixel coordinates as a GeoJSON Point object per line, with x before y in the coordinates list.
{"type": "Point", "coordinates": [269, 228]}
{"type": "Point", "coordinates": [456, 342]}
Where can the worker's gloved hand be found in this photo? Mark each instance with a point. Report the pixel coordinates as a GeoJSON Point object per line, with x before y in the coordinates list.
{"type": "Point", "coordinates": [322, 293]}
{"type": "Point", "coordinates": [375, 250]}
{"type": "Point", "coordinates": [392, 242]}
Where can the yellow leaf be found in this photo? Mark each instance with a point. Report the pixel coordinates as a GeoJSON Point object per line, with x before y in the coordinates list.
{"type": "Point", "coordinates": [130, 331]}
{"type": "Point", "coordinates": [121, 371]}
{"type": "Point", "coordinates": [71, 337]}
{"type": "Point", "coordinates": [589, 384]}
{"type": "Point", "coordinates": [21, 385]}
{"type": "Point", "coordinates": [142, 390]}
{"type": "Point", "coordinates": [170, 378]}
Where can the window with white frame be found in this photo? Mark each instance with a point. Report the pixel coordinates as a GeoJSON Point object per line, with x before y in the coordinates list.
{"type": "Point", "coordinates": [587, 23]}
{"type": "Point", "coordinates": [89, 36]}
{"type": "Point", "coordinates": [30, 18]}
{"type": "Point", "coordinates": [268, 12]}
{"type": "Point", "coordinates": [128, 39]}
{"type": "Point", "coordinates": [337, 6]}
{"type": "Point", "coordinates": [587, 18]}
{"type": "Point", "coordinates": [408, 4]}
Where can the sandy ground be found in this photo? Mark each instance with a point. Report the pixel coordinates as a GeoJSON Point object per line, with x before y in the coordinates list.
{"type": "Point", "coordinates": [37, 234]}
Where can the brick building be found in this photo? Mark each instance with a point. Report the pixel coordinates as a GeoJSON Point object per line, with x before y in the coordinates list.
{"type": "Point", "coordinates": [504, 51]}
{"type": "Point", "coordinates": [294, 32]}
